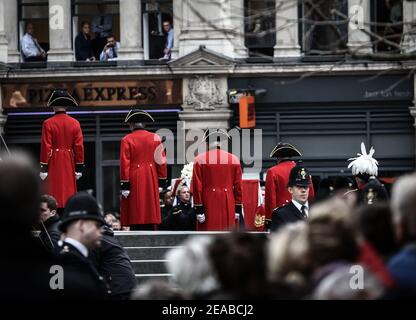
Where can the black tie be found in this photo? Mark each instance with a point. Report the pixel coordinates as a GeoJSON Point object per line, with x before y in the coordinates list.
{"type": "Point", "coordinates": [302, 209]}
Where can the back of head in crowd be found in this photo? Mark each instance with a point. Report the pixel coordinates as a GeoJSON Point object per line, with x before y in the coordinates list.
{"type": "Point", "coordinates": [191, 267]}
{"type": "Point", "coordinates": [330, 234]}
{"type": "Point", "coordinates": [288, 253]}
{"type": "Point", "coordinates": [403, 204]}
{"type": "Point", "coordinates": [376, 226]}
{"type": "Point", "coordinates": [239, 260]}
{"type": "Point", "coordinates": [19, 195]}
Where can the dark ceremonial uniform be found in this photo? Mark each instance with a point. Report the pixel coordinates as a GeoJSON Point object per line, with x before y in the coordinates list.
{"type": "Point", "coordinates": [182, 217]}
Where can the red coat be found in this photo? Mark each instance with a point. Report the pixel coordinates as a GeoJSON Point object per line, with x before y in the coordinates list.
{"type": "Point", "coordinates": [216, 184]}
{"type": "Point", "coordinates": [61, 148]}
{"type": "Point", "coordinates": [250, 202]}
{"type": "Point", "coordinates": [276, 194]}
{"type": "Point", "coordinates": [142, 163]}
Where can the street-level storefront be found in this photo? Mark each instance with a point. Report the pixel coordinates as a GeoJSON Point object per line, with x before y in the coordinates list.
{"type": "Point", "coordinates": [327, 117]}
{"type": "Point", "coordinates": [103, 106]}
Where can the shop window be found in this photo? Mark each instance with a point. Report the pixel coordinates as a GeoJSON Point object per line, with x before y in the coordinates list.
{"type": "Point", "coordinates": [33, 15]}
{"type": "Point", "coordinates": [155, 15]}
{"type": "Point", "coordinates": [324, 26]}
{"type": "Point", "coordinates": [104, 20]}
{"type": "Point", "coordinates": [387, 28]}
{"type": "Point", "coordinates": [259, 27]}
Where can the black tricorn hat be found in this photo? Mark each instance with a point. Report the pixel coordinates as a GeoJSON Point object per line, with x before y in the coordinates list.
{"type": "Point", "coordinates": [81, 206]}
{"type": "Point", "coordinates": [61, 98]}
{"type": "Point", "coordinates": [215, 134]}
{"type": "Point", "coordinates": [284, 150]}
{"type": "Point", "coordinates": [299, 176]}
{"type": "Point", "coordinates": [138, 116]}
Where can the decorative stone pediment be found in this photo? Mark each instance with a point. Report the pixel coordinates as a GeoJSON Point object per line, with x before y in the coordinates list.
{"type": "Point", "coordinates": [201, 58]}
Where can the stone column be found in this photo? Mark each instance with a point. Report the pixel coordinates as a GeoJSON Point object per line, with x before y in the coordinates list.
{"type": "Point", "coordinates": [3, 40]}
{"type": "Point", "coordinates": [237, 19]}
{"type": "Point", "coordinates": [205, 102]}
{"type": "Point", "coordinates": [359, 28]}
{"type": "Point", "coordinates": [409, 27]}
{"type": "Point", "coordinates": [130, 30]}
{"type": "Point", "coordinates": [60, 41]}
{"type": "Point", "coordinates": [11, 25]}
{"type": "Point", "coordinates": [210, 23]}
{"type": "Point", "coordinates": [287, 35]}
{"type": "Point", "coordinates": [177, 26]}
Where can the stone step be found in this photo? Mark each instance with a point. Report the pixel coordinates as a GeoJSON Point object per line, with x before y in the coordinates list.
{"type": "Point", "coordinates": [142, 278]}
{"type": "Point", "coordinates": [149, 266]}
{"type": "Point", "coordinates": [148, 253]}
{"type": "Point", "coordinates": [156, 238]}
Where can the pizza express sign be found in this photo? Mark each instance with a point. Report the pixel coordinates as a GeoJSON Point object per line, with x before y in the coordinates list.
{"type": "Point", "coordinates": [95, 94]}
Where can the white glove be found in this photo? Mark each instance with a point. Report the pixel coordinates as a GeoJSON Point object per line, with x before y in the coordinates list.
{"type": "Point", "coordinates": [200, 218]}
{"type": "Point", "coordinates": [43, 175]}
{"type": "Point", "coordinates": [78, 175]}
{"type": "Point", "coordinates": [236, 216]}
{"type": "Point", "coordinates": [125, 193]}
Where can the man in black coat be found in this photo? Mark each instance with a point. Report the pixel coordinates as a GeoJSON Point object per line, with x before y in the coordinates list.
{"type": "Point", "coordinates": [49, 222]}
{"type": "Point", "coordinates": [81, 224]}
{"type": "Point", "coordinates": [113, 263]}
{"type": "Point", "coordinates": [298, 208]}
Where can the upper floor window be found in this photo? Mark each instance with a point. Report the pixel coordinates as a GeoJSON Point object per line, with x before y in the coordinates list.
{"type": "Point", "coordinates": [158, 34]}
{"type": "Point", "coordinates": [324, 27]}
{"type": "Point", "coordinates": [260, 27]}
{"type": "Point", "coordinates": [387, 26]}
{"type": "Point", "coordinates": [33, 29]}
{"type": "Point", "coordinates": [96, 29]}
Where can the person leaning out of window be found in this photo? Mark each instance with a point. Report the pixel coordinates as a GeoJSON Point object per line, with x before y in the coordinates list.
{"type": "Point", "coordinates": [83, 46]}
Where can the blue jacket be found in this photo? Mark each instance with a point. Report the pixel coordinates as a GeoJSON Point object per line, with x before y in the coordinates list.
{"type": "Point", "coordinates": [402, 267]}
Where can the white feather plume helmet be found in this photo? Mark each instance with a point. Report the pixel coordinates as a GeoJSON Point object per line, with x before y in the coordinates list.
{"type": "Point", "coordinates": [364, 163]}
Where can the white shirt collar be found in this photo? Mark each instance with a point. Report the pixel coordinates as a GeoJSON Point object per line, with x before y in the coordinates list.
{"type": "Point", "coordinates": [78, 245]}
{"type": "Point", "coordinates": [299, 206]}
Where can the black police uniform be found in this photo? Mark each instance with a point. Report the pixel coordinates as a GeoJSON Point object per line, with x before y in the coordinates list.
{"type": "Point", "coordinates": [113, 263]}
{"type": "Point", "coordinates": [286, 214]}
{"type": "Point", "coordinates": [81, 278]}
{"type": "Point", "coordinates": [181, 218]}
{"type": "Point", "coordinates": [50, 233]}
{"type": "Point", "coordinates": [289, 213]}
